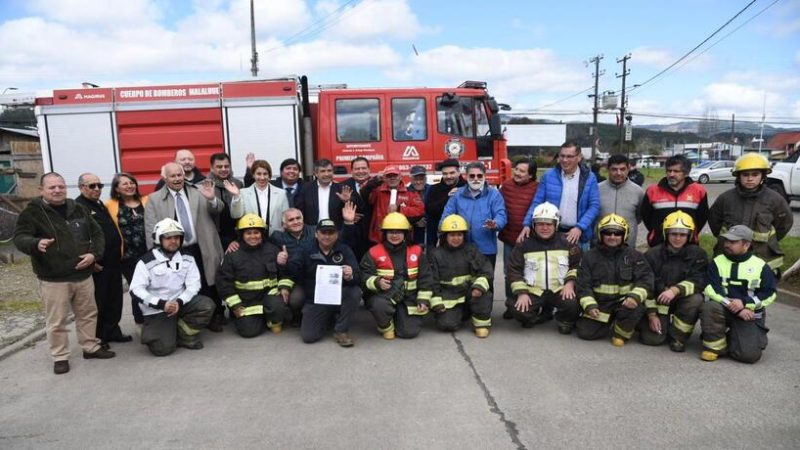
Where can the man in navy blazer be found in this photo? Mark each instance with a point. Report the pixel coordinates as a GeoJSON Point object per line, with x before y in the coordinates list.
{"type": "Point", "coordinates": [308, 200]}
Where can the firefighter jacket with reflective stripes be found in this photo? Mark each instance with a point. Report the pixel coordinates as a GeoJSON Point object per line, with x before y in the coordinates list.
{"type": "Point", "coordinates": [763, 210]}
{"type": "Point", "coordinates": [746, 277]}
{"type": "Point", "coordinates": [456, 272]}
{"type": "Point", "coordinates": [303, 267]}
{"type": "Point", "coordinates": [611, 274]}
{"type": "Point", "coordinates": [682, 271]}
{"type": "Point", "coordinates": [405, 266]}
{"type": "Point", "coordinates": [158, 279]}
{"type": "Point", "coordinates": [250, 273]}
{"type": "Point", "coordinates": [538, 265]}
{"type": "Point", "coordinates": [660, 200]}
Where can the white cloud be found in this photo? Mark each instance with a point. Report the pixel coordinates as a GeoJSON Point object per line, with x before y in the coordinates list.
{"type": "Point", "coordinates": [661, 58]}
{"type": "Point", "coordinates": [510, 73]}
{"type": "Point", "coordinates": [318, 55]}
{"type": "Point", "coordinates": [370, 18]}
{"type": "Point", "coordinates": [785, 20]}
{"type": "Point", "coordinates": [97, 12]}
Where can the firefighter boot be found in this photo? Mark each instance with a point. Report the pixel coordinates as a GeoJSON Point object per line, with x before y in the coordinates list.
{"type": "Point", "coordinates": [276, 328]}
{"type": "Point", "coordinates": [482, 332]}
{"type": "Point", "coordinates": [388, 331]}
{"type": "Point", "coordinates": [708, 356]}
{"type": "Point", "coordinates": [677, 346]}
{"type": "Point", "coordinates": [617, 341]}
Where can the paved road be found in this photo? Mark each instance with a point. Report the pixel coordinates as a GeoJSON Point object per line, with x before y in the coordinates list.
{"type": "Point", "coordinates": [516, 389]}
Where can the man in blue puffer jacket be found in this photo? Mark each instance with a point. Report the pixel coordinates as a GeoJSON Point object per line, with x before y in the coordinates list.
{"type": "Point", "coordinates": [573, 188]}
{"type": "Point", "coordinates": [483, 208]}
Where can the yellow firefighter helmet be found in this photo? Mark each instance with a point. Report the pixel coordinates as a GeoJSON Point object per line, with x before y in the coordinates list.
{"type": "Point", "coordinates": [678, 220]}
{"type": "Point", "coordinates": [613, 222]}
{"type": "Point", "coordinates": [395, 221]}
{"type": "Point", "coordinates": [751, 161]}
{"type": "Point", "coordinates": [251, 221]}
{"type": "Point", "coordinates": [452, 223]}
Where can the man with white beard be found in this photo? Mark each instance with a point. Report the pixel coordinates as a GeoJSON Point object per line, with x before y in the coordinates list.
{"type": "Point", "coordinates": [483, 208]}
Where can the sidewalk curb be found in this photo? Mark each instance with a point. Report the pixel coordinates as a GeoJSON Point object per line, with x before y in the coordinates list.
{"type": "Point", "coordinates": [32, 337]}
{"type": "Point", "coordinates": [789, 298]}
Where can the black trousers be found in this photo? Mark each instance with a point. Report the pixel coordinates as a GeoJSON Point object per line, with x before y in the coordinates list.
{"type": "Point", "coordinates": [317, 318]}
{"type": "Point", "coordinates": [128, 267]}
{"type": "Point", "coordinates": [205, 289]}
{"type": "Point", "coordinates": [108, 296]}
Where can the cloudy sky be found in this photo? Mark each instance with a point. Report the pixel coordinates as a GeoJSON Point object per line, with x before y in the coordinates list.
{"type": "Point", "coordinates": [532, 53]}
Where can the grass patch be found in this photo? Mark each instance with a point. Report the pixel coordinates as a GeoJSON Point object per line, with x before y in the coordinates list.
{"type": "Point", "coordinates": [789, 244]}
{"type": "Point", "coordinates": [20, 306]}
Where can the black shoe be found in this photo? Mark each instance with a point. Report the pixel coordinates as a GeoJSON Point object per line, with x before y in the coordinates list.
{"type": "Point", "coordinates": [527, 324]}
{"type": "Point", "coordinates": [508, 315]}
{"type": "Point", "coordinates": [121, 338]}
{"type": "Point", "coordinates": [564, 329]}
{"type": "Point", "coordinates": [676, 346]}
{"type": "Point", "coordinates": [343, 339]}
{"type": "Point", "coordinates": [101, 353]}
{"type": "Point", "coordinates": [105, 345]}
{"type": "Point", "coordinates": [191, 345]}
{"type": "Point", "coordinates": [60, 367]}
{"type": "Point", "coordinates": [215, 326]}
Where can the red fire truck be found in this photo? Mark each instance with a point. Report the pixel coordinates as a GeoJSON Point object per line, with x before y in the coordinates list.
{"type": "Point", "coordinates": [138, 129]}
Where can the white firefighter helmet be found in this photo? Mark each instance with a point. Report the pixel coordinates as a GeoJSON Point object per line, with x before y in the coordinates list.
{"type": "Point", "coordinates": [166, 228]}
{"type": "Point", "coordinates": [546, 212]}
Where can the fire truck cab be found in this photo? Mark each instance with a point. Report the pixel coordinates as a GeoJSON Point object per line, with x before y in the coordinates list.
{"type": "Point", "coordinates": [138, 129]}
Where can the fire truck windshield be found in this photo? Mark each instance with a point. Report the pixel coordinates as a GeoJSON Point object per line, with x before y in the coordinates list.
{"type": "Point", "coordinates": [456, 116]}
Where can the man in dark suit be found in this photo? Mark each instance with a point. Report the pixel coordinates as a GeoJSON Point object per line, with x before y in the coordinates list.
{"type": "Point", "coordinates": [324, 199]}
{"type": "Point", "coordinates": [360, 175]}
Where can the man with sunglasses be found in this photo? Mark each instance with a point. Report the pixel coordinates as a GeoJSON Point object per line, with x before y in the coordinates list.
{"type": "Point", "coordinates": [107, 273]}
{"type": "Point", "coordinates": [482, 206]}
{"type": "Point", "coordinates": [573, 188]}
{"type": "Point", "coordinates": [613, 282]}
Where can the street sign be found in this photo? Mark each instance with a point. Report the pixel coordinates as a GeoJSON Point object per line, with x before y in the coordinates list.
{"type": "Point", "coordinates": [628, 132]}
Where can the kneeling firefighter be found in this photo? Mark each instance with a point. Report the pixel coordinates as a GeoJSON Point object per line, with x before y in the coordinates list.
{"type": "Point", "coordinates": [398, 284]}
{"type": "Point", "coordinates": [463, 280]}
{"type": "Point", "coordinates": [251, 280]}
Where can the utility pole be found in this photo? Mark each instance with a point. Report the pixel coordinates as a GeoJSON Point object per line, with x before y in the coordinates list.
{"type": "Point", "coordinates": [254, 58]}
{"type": "Point", "coordinates": [625, 73]}
{"type": "Point", "coordinates": [595, 132]}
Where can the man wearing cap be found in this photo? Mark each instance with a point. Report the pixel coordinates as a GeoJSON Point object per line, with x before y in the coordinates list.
{"type": "Point", "coordinates": [388, 194]}
{"type": "Point", "coordinates": [440, 193]}
{"type": "Point", "coordinates": [327, 250]}
{"type": "Point", "coordinates": [740, 287]}
{"type": "Point", "coordinates": [753, 204]}
{"type": "Point", "coordinates": [419, 184]}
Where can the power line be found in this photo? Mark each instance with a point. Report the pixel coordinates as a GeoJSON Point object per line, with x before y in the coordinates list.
{"type": "Point", "coordinates": [687, 62]}
{"type": "Point", "coordinates": [563, 99]}
{"type": "Point", "coordinates": [695, 48]}
{"type": "Point", "coordinates": [310, 30]}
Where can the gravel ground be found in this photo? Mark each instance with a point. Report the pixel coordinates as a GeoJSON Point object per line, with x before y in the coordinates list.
{"type": "Point", "coordinates": [20, 305]}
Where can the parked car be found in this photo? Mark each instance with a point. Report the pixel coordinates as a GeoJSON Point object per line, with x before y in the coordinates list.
{"type": "Point", "coordinates": [708, 171]}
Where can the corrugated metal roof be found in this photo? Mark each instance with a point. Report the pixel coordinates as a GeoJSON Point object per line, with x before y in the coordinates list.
{"type": "Point", "coordinates": [23, 131]}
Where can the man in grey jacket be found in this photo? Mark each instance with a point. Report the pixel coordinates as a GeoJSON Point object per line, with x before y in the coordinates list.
{"type": "Point", "coordinates": [621, 196]}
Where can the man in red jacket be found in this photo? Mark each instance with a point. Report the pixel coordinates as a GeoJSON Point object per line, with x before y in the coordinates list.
{"type": "Point", "coordinates": [518, 193]}
{"type": "Point", "coordinates": [388, 194]}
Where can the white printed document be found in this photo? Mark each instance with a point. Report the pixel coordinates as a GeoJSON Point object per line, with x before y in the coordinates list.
{"type": "Point", "coordinates": [329, 285]}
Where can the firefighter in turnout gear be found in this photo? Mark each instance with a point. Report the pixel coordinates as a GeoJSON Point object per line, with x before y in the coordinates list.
{"type": "Point", "coordinates": [613, 282]}
{"type": "Point", "coordinates": [542, 271]}
{"type": "Point", "coordinates": [166, 284]}
{"type": "Point", "coordinates": [252, 280]}
{"type": "Point", "coordinates": [680, 269]}
{"type": "Point", "coordinates": [463, 279]}
{"type": "Point", "coordinates": [397, 280]}
{"type": "Point", "coordinates": [740, 287]}
{"type": "Point", "coordinates": [753, 204]}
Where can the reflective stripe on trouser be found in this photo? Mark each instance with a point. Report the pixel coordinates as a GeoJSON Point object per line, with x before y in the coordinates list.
{"type": "Point", "coordinates": [566, 310]}
{"type": "Point", "coordinates": [160, 332]}
{"type": "Point", "coordinates": [317, 318]}
{"type": "Point", "coordinates": [678, 322]}
{"type": "Point", "coordinates": [389, 316]}
{"type": "Point", "coordinates": [622, 322]}
{"type": "Point", "coordinates": [715, 321]}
